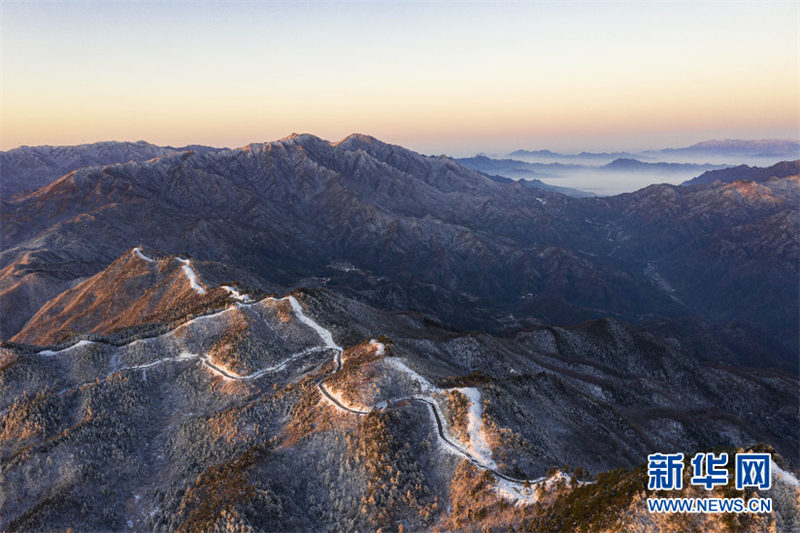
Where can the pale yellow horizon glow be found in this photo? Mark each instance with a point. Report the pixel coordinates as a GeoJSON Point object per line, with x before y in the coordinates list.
{"type": "Point", "coordinates": [469, 78]}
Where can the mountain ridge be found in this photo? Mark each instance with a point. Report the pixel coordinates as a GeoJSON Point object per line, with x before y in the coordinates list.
{"type": "Point", "coordinates": [782, 169]}
{"type": "Point", "coordinates": [307, 335]}
{"type": "Point", "coordinates": [28, 168]}
{"type": "Point", "coordinates": [484, 253]}
{"type": "Point", "coordinates": [277, 385]}
{"type": "Point", "coordinates": [778, 148]}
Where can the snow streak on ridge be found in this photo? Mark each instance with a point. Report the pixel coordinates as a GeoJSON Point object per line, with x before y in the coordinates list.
{"type": "Point", "coordinates": [76, 345]}
{"type": "Point", "coordinates": [478, 451]}
{"type": "Point", "coordinates": [236, 295]}
{"type": "Point", "coordinates": [138, 252]}
{"type": "Point", "coordinates": [191, 275]}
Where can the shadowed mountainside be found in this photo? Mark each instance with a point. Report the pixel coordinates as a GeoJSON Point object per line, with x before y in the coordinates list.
{"type": "Point", "coordinates": [221, 421]}
{"type": "Point", "coordinates": [135, 290]}
{"type": "Point", "coordinates": [407, 231]}
{"type": "Point", "coordinates": [28, 168]}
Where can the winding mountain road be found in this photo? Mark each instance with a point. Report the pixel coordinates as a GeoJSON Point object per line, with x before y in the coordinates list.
{"type": "Point", "coordinates": [444, 437]}
{"type": "Point", "coordinates": [521, 486]}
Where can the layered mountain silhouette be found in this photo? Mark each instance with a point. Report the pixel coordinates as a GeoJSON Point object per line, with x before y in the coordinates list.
{"type": "Point", "coordinates": [514, 167]}
{"type": "Point", "coordinates": [726, 148]}
{"type": "Point", "coordinates": [764, 148]}
{"type": "Point", "coordinates": [538, 184]}
{"type": "Point", "coordinates": [517, 168]}
{"type": "Point", "coordinates": [422, 233]}
{"type": "Point", "coordinates": [30, 167]}
{"type": "Point", "coordinates": [585, 157]}
{"type": "Point", "coordinates": [589, 177]}
{"type": "Point", "coordinates": [745, 172]}
{"type": "Point", "coordinates": [634, 165]}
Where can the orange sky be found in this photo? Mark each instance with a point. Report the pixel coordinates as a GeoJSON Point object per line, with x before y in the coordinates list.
{"type": "Point", "coordinates": [437, 77]}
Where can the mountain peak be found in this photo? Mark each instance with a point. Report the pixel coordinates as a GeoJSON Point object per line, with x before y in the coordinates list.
{"type": "Point", "coordinates": [624, 162]}
{"type": "Point", "coordinates": [300, 137]}
{"type": "Point", "coordinates": [358, 140]}
{"type": "Point", "coordinates": [291, 136]}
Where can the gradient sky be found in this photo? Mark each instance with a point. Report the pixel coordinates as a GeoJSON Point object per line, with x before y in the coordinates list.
{"type": "Point", "coordinates": [442, 77]}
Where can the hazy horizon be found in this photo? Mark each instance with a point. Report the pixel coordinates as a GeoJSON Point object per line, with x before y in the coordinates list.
{"type": "Point", "coordinates": [436, 77]}
{"type": "Point", "coordinates": [504, 153]}
{"type": "Point", "coordinates": [593, 174]}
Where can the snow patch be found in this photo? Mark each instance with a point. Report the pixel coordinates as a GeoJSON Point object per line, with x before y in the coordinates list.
{"type": "Point", "coordinates": [352, 407]}
{"type": "Point", "coordinates": [424, 384]}
{"type": "Point", "coordinates": [230, 374]}
{"type": "Point", "coordinates": [138, 252]}
{"type": "Point", "coordinates": [478, 451]}
{"type": "Point", "coordinates": [449, 447]}
{"type": "Point", "coordinates": [477, 438]}
{"type": "Point", "coordinates": [183, 356]}
{"type": "Point", "coordinates": [520, 495]}
{"type": "Point", "coordinates": [236, 295]}
{"type": "Point", "coordinates": [523, 495]}
{"type": "Point", "coordinates": [380, 348]}
{"type": "Point", "coordinates": [76, 345]}
{"type": "Point", "coordinates": [323, 333]}
{"type": "Point", "coordinates": [192, 321]}
{"type": "Point", "coordinates": [191, 275]}
{"type": "Point", "coordinates": [478, 448]}
{"type": "Point", "coordinates": [783, 475]}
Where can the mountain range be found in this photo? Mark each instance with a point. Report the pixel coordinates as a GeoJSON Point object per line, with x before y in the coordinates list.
{"type": "Point", "coordinates": [602, 178]}
{"type": "Point", "coordinates": [486, 255]}
{"type": "Point", "coordinates": [28, 168]}
{"type": "Point", "coordinates": [288, 208]}
{"type": "Point", "coordinates": [765, 148]}
{"type": "Point", "coordinates": [744, 172]}
{"type": "Point", "coordinates": [730, 150]}
{"type": "Point", "coordinates": [586, 157]}
{"type": "Point", "coordinates": [304, 335]}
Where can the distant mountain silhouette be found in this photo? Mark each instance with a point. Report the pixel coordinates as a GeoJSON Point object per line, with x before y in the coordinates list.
{"type": "Point", "coordinates": [767, 148]}
{"type": "Point", "coordinates": [619, 174]}
{"type": "Point", "coordinates": [538, 184]}
{"type": "Point", "coordinates": [716, 151]}
{"type": "Point", "coordinates": [634, 165]}
{"type": "Point", "coordinates": [585, 157]}
{"type": "Point", "coordinates": [745, 172]}
{"type": "Point", "coordinates": [505, 169]}
{"type": "Point", "coordinates": [31, 167]}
